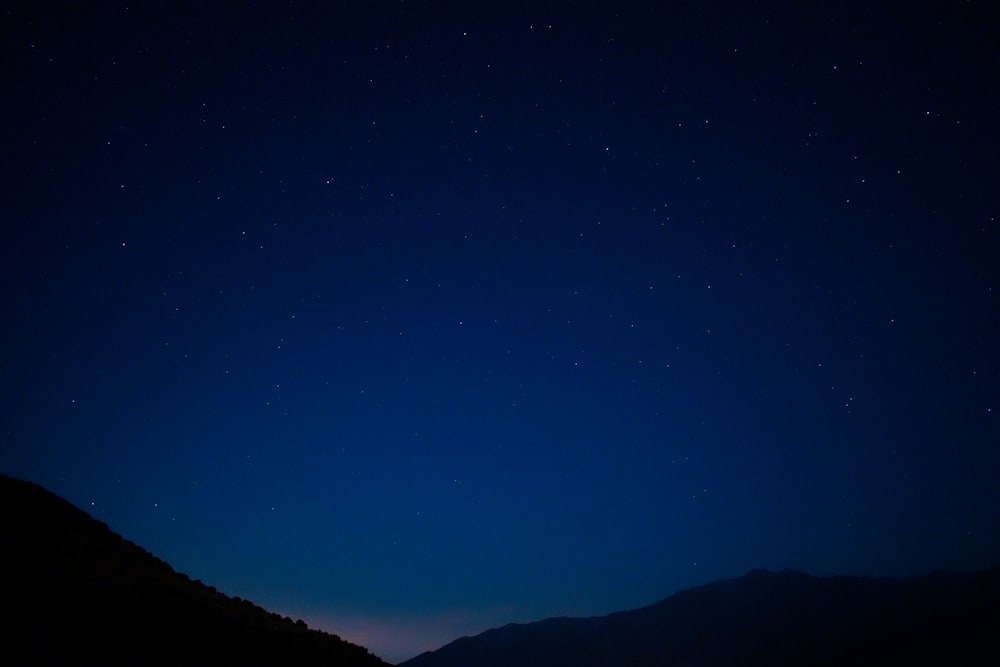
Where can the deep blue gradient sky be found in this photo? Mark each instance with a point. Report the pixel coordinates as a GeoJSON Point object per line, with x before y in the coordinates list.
{"type": "Point", "coordinates": [411, 319]}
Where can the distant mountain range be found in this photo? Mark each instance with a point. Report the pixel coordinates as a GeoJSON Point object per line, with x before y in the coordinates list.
{"type": "Point", "coordinates": [764, 618]}
{"type": "Point", "coordinates": [74, 593]}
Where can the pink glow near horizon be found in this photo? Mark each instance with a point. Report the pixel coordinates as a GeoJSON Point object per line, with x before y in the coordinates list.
{"type": "Point", "coordinates": [397, 638]}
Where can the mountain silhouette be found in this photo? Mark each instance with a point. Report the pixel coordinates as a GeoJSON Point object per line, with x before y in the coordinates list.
{"type": "Point", "coordinates": [764, 618]}
{"type": "Point", "coordinates": [74, 592]}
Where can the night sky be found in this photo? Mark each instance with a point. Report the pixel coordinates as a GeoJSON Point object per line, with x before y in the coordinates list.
{"type": "Point", "coordinates": [412, 319]}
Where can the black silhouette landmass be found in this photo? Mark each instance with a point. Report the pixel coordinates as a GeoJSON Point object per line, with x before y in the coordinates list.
{"type": "Point", "coordinates": [764, 618]}
{"type": "Point", "coordinates": [72, 592]}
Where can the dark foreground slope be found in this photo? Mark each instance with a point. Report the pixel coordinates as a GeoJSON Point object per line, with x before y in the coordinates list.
{"type": "Point", "coordinates": [764, 618]}
{"type": "Point", "coordinates": [73, 592]}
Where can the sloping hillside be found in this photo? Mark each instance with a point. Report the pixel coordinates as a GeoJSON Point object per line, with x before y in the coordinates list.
{"type": "Point", "coordinates": [74, 592]}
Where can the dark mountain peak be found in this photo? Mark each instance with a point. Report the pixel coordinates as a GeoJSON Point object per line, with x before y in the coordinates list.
{"type": "Point", "coordinates": [764, 618]}
{"type": "Point", "coordinates": [74, 592]}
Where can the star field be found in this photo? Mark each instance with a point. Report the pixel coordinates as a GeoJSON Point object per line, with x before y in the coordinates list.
{"type": "Point", "coordinates": [412, 320]}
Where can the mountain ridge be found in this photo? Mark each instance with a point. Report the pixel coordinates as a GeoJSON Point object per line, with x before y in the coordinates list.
{"type": "Point", "coordinates": [75, 592]}
{"type": "Point", "coordinates": [763, 618]}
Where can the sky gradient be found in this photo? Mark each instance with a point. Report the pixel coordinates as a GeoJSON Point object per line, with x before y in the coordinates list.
{"type": "Point", "coordinates": [412, 319]}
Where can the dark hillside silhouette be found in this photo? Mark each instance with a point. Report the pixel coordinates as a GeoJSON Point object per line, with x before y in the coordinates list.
{"type": "Point", "coordinates": [74, 592]}
{"type": "Point", "coordinates": [764, 618]}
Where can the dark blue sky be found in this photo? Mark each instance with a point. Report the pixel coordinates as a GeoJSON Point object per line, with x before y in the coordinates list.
{"type": "Point", "coordinates": [411, 319]}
